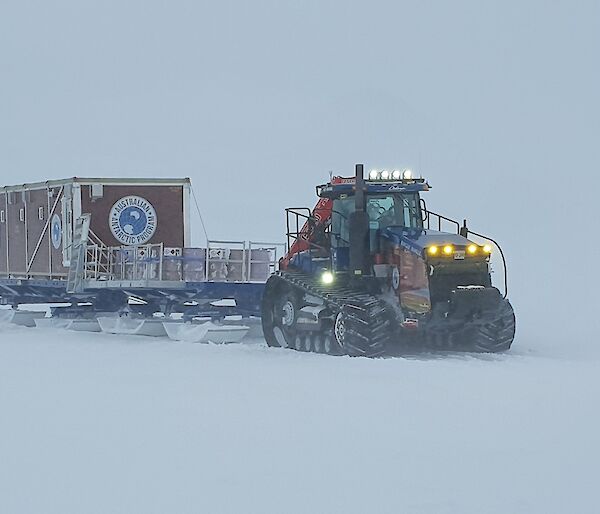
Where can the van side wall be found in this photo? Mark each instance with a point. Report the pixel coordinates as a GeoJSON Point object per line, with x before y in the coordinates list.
{"type": "Point", "coordinates": [26, 247]}
{"type": "Point", "coordinates": [166, 200]}
{"type": "Point", "coordinates": [25, 241]}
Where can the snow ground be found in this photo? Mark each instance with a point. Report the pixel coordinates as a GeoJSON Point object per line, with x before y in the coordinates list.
{"type": "Point", "coordinates": [106, 424]}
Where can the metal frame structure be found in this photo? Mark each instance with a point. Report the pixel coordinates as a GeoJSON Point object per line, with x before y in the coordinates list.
{"type": "Point", "coordinates": [147, 263]}
{"type": "Point", "coordinates": [118, 273]}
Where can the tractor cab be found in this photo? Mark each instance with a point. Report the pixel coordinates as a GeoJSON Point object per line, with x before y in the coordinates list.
{"type": "Point", "coordinates": [393, 204]}
{"type": "Point", "coordinates": [320, 239]}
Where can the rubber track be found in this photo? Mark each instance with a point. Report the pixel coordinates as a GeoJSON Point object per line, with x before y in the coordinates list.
{"type": "Point", "coordinates": [367, 317]}
{"type": "Point", "coordinates": [492, 333]}
{"type": "Point", "coordinates": [498, 335]}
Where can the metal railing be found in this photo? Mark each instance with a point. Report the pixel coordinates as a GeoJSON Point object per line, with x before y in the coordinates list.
{"type": "Point", "coordinates": [441, 220]}
{"type": "Point", "coordinates": [97, 257]}
{"type": "Point", "coordinates": [302, 231]}
{"type": "Point", "coordinates": [220, 261]}
{"type": "Point", "coordinates": [465, 232]}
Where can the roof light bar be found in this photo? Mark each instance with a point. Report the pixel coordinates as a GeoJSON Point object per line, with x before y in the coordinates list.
{"type": "Point", "coordinates": [398, 175]}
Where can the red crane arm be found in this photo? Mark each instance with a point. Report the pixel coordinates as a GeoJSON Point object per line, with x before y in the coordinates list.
{"type": "Point", "coordinates": [320, 216]}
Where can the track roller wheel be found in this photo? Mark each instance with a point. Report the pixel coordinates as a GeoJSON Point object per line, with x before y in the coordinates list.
{"type": "Point", "coordinates": [331, 346]}
{"type": "Point", "coordinates": [279, 315]}
{"type": "Point", "coordinates": [353, 333]}
{"type": "Point", "coordinates": [318, 343]}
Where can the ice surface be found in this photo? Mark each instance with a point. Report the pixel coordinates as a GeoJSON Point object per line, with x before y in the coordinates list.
{"type": "Point", "coordinates": [97, 423]}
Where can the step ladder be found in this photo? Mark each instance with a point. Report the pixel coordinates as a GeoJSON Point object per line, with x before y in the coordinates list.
{"type": "Point", "coordinates": [79, 247]}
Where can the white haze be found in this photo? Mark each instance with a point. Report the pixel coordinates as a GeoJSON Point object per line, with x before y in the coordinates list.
{"type": "Point", "coordinates": [496, 103]}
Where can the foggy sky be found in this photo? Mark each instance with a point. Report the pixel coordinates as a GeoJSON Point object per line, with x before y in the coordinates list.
{"type": "Point", "coordinates": [496, 103]}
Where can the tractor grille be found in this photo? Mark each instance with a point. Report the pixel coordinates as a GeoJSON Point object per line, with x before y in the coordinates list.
{"type": "Point", "coordinates": [445, 280]}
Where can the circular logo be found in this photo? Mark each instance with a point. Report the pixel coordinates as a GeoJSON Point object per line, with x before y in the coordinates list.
{"type": "Point", "coordinates": [132, 220]}
{"type": "Point", "coordinates": [395, 278]}
{"type": "Point", "coordinates": [56, 231]}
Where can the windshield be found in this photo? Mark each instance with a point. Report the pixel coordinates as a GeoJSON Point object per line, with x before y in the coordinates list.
{"type": "Point", "coordinates": [394, 210]}
{"type": "Point", "coordinates": [384, 210]}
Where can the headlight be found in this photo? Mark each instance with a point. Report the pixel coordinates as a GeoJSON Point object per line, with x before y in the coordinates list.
{"type": "Point", "coordinates": [396, 174]}
{"type": "Point", "coordinates": [448, 249]}
{"type": "Point", "coordinates": [472, 249]}
{"type": "Point", "coordinates": [385, 175]}
{"type": "Point", "coordinates": [432, 250]}
{"type": "Point", "coordinates": [373, 175]}
{"type": "Point", "coordinates": [327, 277]}
{"type": "Point", "coordinates": [407, 174]}
{"type": "Point", "coordinates": [487, 248]}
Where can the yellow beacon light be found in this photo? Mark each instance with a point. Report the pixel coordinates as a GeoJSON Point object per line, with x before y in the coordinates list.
{"type": "Point", "coordinates": [448, 249]}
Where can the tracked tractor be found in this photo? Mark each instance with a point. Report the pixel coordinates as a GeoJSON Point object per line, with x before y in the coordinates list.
{"type": "Point", "coordinates": [369, 272]}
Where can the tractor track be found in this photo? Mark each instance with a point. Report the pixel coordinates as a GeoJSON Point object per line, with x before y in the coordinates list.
{"type": "Point", "coordinates": [369, 324]}
{"type": "Point", "coordinates": [360, 322]}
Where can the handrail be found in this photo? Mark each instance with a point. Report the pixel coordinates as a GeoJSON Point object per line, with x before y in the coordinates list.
{"type": "Point", "coordinates": [307, 216]}
{"type": "Point", "coordinates": [469, 231]}
{"type": "Point", "coordinates": [146, 262]}
{"type": "Point", "coordinates": [465, 231]}
{"type": "Point", "coordinates": [94, 237]}
{"type": "Point", "coordinates": [296, 212]}
{"type": "Point", "coordinates": [100, 256]}
{"type": "Point", "coordinates": [440, 217]}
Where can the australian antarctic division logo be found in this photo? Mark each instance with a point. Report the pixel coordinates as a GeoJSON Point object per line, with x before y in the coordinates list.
{"type": "Point", "coordinates": [56, 231]}
{"type": "Point", "coordinates": [132, 220]}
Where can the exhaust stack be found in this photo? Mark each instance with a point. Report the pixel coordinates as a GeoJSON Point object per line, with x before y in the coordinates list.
{"type": "Point", "coordinates": [359, 228]}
